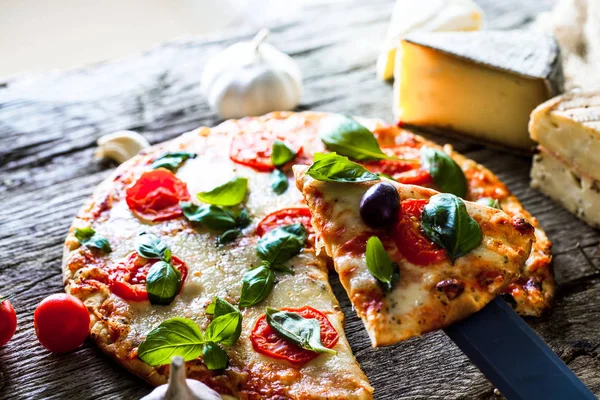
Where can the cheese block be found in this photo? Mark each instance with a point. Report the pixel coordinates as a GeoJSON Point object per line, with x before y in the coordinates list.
{"type": "Point", "coordinates": [569, 127]}
{"type": "Point", "coordinates": [425, 15]}
{"type": "Point", "coordinates": [483, 84]}
{"type": "Point", "coordinates": [577, 193]}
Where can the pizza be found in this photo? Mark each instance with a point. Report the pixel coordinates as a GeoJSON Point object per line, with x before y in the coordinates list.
{"type": "Point", "coordinates": [412, 260]}
{"type": "Point", "coordinates": [207, 235]}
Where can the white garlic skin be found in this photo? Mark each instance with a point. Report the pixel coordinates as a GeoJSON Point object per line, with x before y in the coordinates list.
{"type": "Point", "coordinates": [251, 78]}
{"type": "Point", "coordinates": [120, 146]}
{"type": "Point", "coordinates": [180, 388]}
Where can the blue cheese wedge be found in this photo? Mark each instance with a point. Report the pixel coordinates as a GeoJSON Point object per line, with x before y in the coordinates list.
{"type": "Point", "coordinates": [483, 84]}
{"type": "Point", "coordinates": [578, 193]}
{"type": "Point", "coordinates": [569, 127]}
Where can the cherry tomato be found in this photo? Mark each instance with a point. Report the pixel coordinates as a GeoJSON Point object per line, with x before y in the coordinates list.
{"type": "Point", "coordinates": [8, 322]}
{"type": "Point", "coordinates": [61, 322]}
{"type": "Point", "coordinates": [254, 150]}
{"type": "Point", "coordinates": [128, 278]}
{"type": "Point", "coordinates": [267, 342]}
{"type": "Point", "coordinates": [155, 196]}
{"type": "Point", "coordinates": [287, 216]}
{"type": "Point", "coordinates": [410, 239]}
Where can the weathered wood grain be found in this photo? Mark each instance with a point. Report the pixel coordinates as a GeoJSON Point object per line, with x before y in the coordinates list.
{"type": "Point", "coordinates": [48, 127]}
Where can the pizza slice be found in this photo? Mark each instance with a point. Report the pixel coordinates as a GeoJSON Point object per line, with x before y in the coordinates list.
{"type": "Point", "coordinates": [411, 259]}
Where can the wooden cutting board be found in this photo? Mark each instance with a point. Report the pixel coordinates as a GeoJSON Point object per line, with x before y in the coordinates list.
{"type": "Point", "coordinates": [49, 124]}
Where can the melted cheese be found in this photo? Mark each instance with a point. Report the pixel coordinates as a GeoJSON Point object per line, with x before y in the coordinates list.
{"type": "Point", "coordinates": [414, 306]}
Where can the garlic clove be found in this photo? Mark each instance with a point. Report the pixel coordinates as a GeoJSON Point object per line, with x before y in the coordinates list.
{"type": "Point", "coordinates": [180, 388]}
{"type": "Point", "coordinates": [120, 146]}
{"type": "Point", "coordinates": [251, 78]}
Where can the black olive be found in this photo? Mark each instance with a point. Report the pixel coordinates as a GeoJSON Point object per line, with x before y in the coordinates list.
{"type": "Point", "coordinates": [380, 205]}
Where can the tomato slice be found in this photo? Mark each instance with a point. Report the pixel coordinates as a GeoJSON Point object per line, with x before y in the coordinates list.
{"type": "Point", "coordinates": [410, 239]}
{"type": "Point", "coordinates": [128, 278]}
{"type": "Point", "coordinates": [254, 150]}
{"type": "Point", "coordinates": [155, 196]}
{"type": "Point", "coordinates": [407, 172]}
{"type": "Point", "coordinates": [266, 341]}
{"type": "Point", "coordinates": [286, 216]}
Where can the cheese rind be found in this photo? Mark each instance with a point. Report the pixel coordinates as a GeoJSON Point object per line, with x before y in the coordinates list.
{"type": "Point", "coordinates": [569, 127]}
{"type": "Point", "coordinates": [425, 15]}
{"type": "Point", "coordinates": [578, 194]}
{"type": "Point", "coordinates": [442, 82]}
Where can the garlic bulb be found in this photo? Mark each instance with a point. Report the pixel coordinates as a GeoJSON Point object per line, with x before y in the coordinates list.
{"type": "Point", "coordinates": [120, 146]}
{"type": "Point", "coordinates": [180, 388]}
{"type": "Point", "coordinates": [251, 78]}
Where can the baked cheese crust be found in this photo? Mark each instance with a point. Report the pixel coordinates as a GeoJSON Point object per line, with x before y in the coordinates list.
{"type": "Point", "coordinates": [419, 302]}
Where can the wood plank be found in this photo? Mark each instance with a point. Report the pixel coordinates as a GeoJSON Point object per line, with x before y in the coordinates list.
{"type": "Point", "coordinates": [48, 127]}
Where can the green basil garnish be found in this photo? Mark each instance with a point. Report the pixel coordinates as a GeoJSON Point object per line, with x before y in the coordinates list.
{"type": "Point", "coordinates": [446, 173]}
{"type": "Point", "coordinates": [380, 263]}
{"type": "Point", "coordinates": [152, 247]}
{"type": "Point", "coordinates": [215, 358]}
{"type": "Point", "coordinates": [488, 201]}
{"type": "Point", "coordinates": [331, 167]}
{"type": "Point", "coordinates": [228, 236]}
{"type": "Point", "coordinates": [174, 337]}
{"type": "Point", "coordinates": [182, 337]}
{"type": "Point", "coordinates": [281, 244]}
{"type": "Point", "coordinates": [228, 194]}
{"type": "Point", "coordinates": [384, 175]}
{"type": "Point", "coordinates": [88, 237]}
{"type": "Point", "coordinates": [304, 332]}
{"type": "Point", "coordinates": [281, 154]}
{"type": "Point", "coordinates": [279, 182]}
{"type": "Point", "coordinates": [274, 249]}
{"type": "Point", "coordinates": [257, 283]}
{"type": "Point", "coordinates": [213, 217]}
{"type": "Point", "coordinates": [172, 160]}
{"type": "Point", "coordinates": [163, 283]}
{"type": "Point", "coordinates": [447, 223]}
{"type": "Point", "coordinates": [344, 135]}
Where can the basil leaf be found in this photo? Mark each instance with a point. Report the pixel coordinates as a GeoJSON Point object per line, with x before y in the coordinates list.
{"type": "Point", "coordinates": [215, 358]}
{"type": "Point", "coordinates": [225, 329]}
{"type": "Point", "coordinates": [228, 194]}
{"type": "Point", "coordinates": [347, 137]}
{"type": "Point", "coordinates": [488, 201]}
{"type": "Point", "coordinates": [228, 236]}
{"type": "Point", "coordinates": [88, 237]}
{"type": "Point", "coordinates": [380, 263]}
{"type": "Point", "coordinates": [172, 160]}
{"type": "Point", "coordinates": [281, 154]}
{"type": "Point", "coordinates": [210, 309]}
{"type": "Point", "coordinates": [223, 307]}
{"type": "Point", "coordinates": [163, 283]}
{"type": "Point", "coordinates": [446, 173]}
{"type": "Point", "coordinates": [174, 337]}
{"type": "Point", "coordinates": [243, 219]}
{"type": "Point", "coordinates": [333, 168]}
{"type": "Point", "coordinates": [279, 182]}
{"type": "Point", "coordinates": [150, 246]}
{"type": "Point", "coordinates": [257, 283]}
{"type": "Point", "coordinates": [281, 244]}
{"type": "Point", "coordinates": [213, 217]}
{"type": "Point", "coordinates": [304, 332]}
{"type": "Point", "coordinates": [447, 223]}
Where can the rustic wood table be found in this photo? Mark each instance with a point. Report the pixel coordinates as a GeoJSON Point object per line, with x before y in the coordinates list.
{"type": "Point", "coordinates": [49, 124]}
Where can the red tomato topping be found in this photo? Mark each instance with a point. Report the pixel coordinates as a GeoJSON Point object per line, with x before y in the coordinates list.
{"type": "Point", "coordinates": [254, 150]}
{"type": "Point", "coordinates": [128, 279]}
{"type": "Point", "coordinates": [410, 239]}
{"type": "Point", "coordinates": [61, 322]}
{"type": "Point", "coordinates": [286, 216]}
{"type": "Point", "coordinates": [8, 322]}
{"type": "Point", "coordinates": [155, 196]}
{"type": "Point", "coordinates": [407, 172]}
{"type": "Point", "coordinates": [267, 342]}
